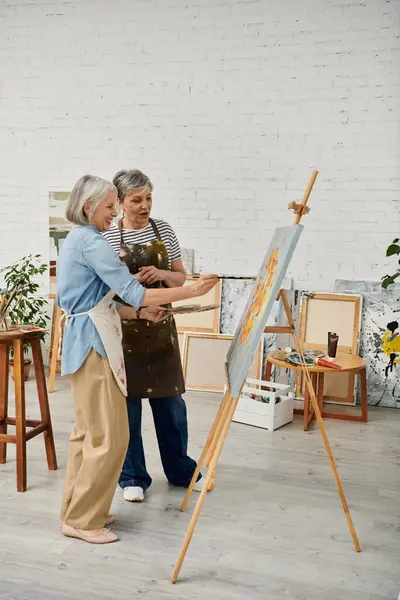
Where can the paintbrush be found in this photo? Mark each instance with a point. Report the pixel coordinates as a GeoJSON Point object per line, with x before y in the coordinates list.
{"type": "Point", "coordinates": [6, 304]}
{"type": "Point", "coordinates": [198, 275]}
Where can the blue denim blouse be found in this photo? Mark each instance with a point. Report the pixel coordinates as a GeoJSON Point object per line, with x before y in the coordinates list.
{"type": "Point", "coordinates": [87, 268]}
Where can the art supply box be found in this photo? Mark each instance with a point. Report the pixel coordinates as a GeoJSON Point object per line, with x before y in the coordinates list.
{"type": "Point", "coordinates": [268, 408]}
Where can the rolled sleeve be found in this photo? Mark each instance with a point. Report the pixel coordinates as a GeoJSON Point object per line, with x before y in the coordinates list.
{"type": "Point", "coordinates": [103, 260]}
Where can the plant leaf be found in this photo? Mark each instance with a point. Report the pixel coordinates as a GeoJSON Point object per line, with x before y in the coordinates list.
{"type": "Point", "coordinates": [393, 249]}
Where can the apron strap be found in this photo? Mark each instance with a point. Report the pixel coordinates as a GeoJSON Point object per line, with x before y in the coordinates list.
{"type": "Point", "coordinates": [65, 317]}
{"type": "Point", "coordinates": [121, 237]}
{"type": "Point", "coordinates": [155, 229]}
{"type": "Point", "coordinates": [152, 223]}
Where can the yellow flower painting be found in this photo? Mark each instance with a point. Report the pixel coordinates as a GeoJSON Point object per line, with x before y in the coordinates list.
{"type": "Point", "coordinates": [261, 295]}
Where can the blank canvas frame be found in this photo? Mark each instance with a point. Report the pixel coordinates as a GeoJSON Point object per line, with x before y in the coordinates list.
{"type": "Point", "coordinates": [341, 313]}
{"type": "Point", "coordinates": [202, 322]}
{"type": "Point", "coordinates": [204, 359]}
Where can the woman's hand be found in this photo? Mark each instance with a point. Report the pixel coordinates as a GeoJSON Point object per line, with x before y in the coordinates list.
{"type": "Point", "coordinates": [152, 313]}
{"type": "Point", "coordinates": [149, 275]}
{"type": "Point", "coordinates": [204, 284]}
{"type": "Point", "coordinates": [127, 313]}
{"type": "Point", "coordinates": [149, 313]}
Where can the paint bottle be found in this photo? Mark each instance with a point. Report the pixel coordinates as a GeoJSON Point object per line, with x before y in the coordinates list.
{"type": "Point", "coordinates": [333, 339]}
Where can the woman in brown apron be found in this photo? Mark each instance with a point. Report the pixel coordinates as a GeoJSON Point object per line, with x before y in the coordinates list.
{"type": "Point", "coordinates": [151, 350]}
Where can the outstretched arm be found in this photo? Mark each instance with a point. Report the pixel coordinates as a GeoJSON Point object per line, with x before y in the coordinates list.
{"type": "Point", "coordinates": [103, 260]}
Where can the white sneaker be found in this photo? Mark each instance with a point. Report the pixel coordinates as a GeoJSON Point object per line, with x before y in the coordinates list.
{"type": "Point", "coordinates": [198, 486]}
{"type": "Point", "coordinates": [133, 494]}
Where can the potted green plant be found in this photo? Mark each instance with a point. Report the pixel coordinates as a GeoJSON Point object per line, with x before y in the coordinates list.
{"type": "Point", "coordinates": [392, 250]}
{"type": "Point", "coordinates": [27, 307]}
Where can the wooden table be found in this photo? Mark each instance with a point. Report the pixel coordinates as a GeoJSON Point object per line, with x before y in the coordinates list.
{"type": "Point", "coordinates": [349, 363]}
{"type": "Point", "coordinates": [18, 339]}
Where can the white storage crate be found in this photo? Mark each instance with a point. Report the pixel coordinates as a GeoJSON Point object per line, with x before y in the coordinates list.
{"type": "Point", "coordinates": [267, 415]}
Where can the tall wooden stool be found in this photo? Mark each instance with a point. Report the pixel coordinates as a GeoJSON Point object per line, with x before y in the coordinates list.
{"type": "Point", "coordinates": [18, 338]}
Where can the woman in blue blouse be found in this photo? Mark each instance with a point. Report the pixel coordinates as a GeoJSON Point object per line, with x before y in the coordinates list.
{"type": "Point", "coordinates": [89, 274]}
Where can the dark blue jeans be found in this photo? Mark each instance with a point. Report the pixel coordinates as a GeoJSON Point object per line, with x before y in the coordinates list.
{"type": "Point", "coordinates": [170, 420]}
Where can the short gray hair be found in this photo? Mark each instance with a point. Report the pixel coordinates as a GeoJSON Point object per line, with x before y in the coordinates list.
{"type": "Point", "coordinates": [130, 179]}
{"type": "Point", "coordinates": [88, 187]}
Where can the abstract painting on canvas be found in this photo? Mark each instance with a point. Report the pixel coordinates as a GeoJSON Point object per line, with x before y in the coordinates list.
{"type": "Point", "coordinates": [260, 304]}
{"type": "Point", "coordinates": [379, 339]}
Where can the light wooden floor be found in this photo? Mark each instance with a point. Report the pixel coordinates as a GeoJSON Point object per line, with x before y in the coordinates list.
{"type": "Point", "coordinates": [273, 528]}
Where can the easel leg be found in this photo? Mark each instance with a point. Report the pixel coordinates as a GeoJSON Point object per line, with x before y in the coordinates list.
{"type": "Point", "coordinates": [218, 421]}
{"type": "Point", "coordinates": [203, 493]}
{"type": "Point", "coordinates": [213, 481]}
{"type": "Point", "coordinates": [328, 448]}
{"type": "Point", "coordinates": [217, 432]}
{"type": "Point", "coordinates": [54, 347]}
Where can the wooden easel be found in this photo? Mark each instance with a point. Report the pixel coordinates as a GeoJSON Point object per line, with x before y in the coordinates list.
{"type": "Point", "coordinates": [219, 430]}
{"type": "Point", "coordinates": [57, 314]}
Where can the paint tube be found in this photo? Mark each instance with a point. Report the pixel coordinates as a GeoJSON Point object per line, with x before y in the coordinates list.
{"type": "Point", "coordinates": [322, 362]}
{"type": "Point", "coordinates": [332, 345]}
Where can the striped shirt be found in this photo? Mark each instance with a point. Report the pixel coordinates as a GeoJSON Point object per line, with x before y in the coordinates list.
{"type": "Point", "coordinates": [142, 236]}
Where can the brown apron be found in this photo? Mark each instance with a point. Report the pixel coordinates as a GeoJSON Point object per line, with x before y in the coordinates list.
{"type": "Point", "coordinates": [151, 350]}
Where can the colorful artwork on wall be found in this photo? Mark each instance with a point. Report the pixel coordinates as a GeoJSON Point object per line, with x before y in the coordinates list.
{"type": "Point", "coordinates": [260, 305]}
{"type": "Point", "coordinates": [380, 339]}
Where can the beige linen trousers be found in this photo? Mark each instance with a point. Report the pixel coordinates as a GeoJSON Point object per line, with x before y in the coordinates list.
{"type": "Point", "coordinates": [97, 444]}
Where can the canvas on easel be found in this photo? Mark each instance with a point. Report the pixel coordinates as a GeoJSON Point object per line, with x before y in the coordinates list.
{"type": "Point", "coordinates": [259, 305]}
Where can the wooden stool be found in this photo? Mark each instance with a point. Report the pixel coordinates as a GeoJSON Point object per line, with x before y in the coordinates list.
{"type": "Point", "coordinates": [18, 338]}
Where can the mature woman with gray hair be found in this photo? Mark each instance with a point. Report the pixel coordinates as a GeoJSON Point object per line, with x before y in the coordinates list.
{"type": "Point", "coordinates": [89, 274]}
{"type": "Point", "coordinates": [153, 365]}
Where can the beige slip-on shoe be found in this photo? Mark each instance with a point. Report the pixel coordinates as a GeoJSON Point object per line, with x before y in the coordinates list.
{"type": "Point", "coordinates": [92, 536]}
{"type": "Point", "coordinates": [110, 519]}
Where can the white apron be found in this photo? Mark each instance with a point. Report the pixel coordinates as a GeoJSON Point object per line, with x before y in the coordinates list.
{"type": "Point", "coordinates": [106, 319]}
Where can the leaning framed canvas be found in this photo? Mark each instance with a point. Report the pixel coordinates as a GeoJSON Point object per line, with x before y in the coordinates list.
{"type": "Point", "coordinates": [204, 359]}
{"type": "Point", "coordinates": [201, 322]}
{"type": "Point", "coordinates": [319, 314]}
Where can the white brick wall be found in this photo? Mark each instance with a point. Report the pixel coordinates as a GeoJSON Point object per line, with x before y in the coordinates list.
{"type": "Point", "coordinates": [228, 106]}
